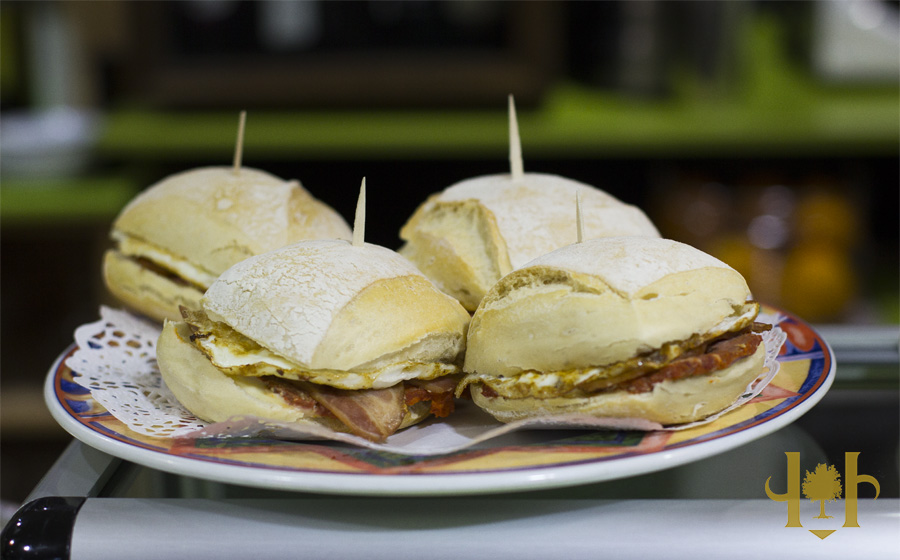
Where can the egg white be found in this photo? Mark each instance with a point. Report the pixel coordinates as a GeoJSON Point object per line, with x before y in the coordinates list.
{"type": "Point", "coordinates": [238, 355]}
{"type": "Point", "coordinates": [134, 247]}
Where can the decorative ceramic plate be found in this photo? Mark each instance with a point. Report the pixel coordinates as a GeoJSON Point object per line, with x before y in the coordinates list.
{"type": "Point", "coordinates": [519, 461]}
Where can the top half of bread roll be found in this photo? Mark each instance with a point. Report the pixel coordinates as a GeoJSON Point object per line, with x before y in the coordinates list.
{"type": "Point", "coordinates": [213, 217]}
{"type": "Point", "coordinates": [603, 301]}
{"type": "Point", "coordinates": [329, 304]}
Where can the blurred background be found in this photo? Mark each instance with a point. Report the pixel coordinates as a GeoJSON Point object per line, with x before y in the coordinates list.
{"type": "Point", "coordinates": [765, 133]}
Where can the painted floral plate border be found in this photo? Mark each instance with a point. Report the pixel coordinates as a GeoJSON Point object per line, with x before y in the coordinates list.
{"type": "Point", "coordinates": [519, 461]}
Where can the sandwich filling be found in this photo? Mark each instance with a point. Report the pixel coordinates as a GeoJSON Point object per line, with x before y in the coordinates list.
{"type": "Point", "coordinates": [734, 338]}
{"type": "Point", "coordinates": [162, 262]}
{"type": "Point", "coordinates": [371, 403]}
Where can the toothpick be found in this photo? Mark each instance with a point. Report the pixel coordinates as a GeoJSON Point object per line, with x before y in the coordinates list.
{"type": "Point", "coordinates": [579, 218]}
{"type": "Point", "coordinates": [239, 146]}
{"type": "Point", "coordinates": [515, 144]}
{"type": "Point", "coordinates": [359, 222]}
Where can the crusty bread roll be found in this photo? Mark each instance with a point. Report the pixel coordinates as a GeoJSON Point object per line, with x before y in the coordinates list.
{"type": "Point", "coordinates": [468, 236]}
{"type": "Point", "coordinates": [177, 236]}
{"type": "Point", "coordinates": [288, 333]}
{"type": "Point", "coordinates": [631, 327]}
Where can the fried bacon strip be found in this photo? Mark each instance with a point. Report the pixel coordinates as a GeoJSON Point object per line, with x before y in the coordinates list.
{"type": "Point", "coordinates": [373, 414]}
{"type": "Point", "coordinates": [294, 396]}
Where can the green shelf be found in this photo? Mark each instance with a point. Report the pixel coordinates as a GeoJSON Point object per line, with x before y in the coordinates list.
{"type": "Point", "coordinates": [772, 107]}
{"type": "Point", "coordinates": [63, 201]}
{"type": "Point", "coordinates": [573, 121]}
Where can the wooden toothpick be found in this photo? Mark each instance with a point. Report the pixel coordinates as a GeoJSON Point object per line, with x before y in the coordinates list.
{"type": "Point", "coordinates": [515, 144]}
{"type": "Point", "coordinates": [579, 218]}
{"type": "Point", "coordinates": [239, 145]}
{"type": "Point", "coordinates": [359, 222]}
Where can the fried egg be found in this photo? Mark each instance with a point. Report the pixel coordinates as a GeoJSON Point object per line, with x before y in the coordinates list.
{"type": "Point", "coordinates": [238, 355]}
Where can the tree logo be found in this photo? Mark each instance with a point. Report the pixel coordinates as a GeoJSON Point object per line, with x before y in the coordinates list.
{"type": "Point", "coordinates": [822, 485]}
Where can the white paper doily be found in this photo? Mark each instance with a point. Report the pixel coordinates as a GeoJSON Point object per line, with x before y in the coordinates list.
{"type": "Point", "coordinates": [116, 361]}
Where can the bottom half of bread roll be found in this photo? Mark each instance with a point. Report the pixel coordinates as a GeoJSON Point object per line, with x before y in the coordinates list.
{"type": "Point", "coordinates": [148, 289]}
{"type": "Point", "coordinates": [685, 390]}
{"type": "Point", "coordinates": [215, 395]}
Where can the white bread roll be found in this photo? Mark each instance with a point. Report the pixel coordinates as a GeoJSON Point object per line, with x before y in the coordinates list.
{"type": "Point", "coordinates": [324, 313]}
{"type": "Point", "coordinates": [468, 236]}
{"type": "Point", "coordinates": [193, 225]}
{"type": "Point", "coordinates": [571, 318]}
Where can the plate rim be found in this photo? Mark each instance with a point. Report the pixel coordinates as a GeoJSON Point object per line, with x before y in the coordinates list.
{"type": "Point", "coordinates": [532, 477]}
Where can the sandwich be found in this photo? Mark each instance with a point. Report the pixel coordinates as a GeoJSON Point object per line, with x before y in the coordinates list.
{"type": "Point", "coordinates": [624, 327]}
{"type": "Point", "coordinates": [466, 237]}
{"type": "Point", "coordinates": [175, 238]}
{"type": "Point", "coordinates": [350, 337]}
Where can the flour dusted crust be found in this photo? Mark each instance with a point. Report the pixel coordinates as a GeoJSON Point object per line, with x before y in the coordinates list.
{"type": "Point", "coordinates": [629, 265]}
{"type": "Point", "coordinates": [537, 214]}
{"type": "Point", "coordinates": [468, 236]}
{"type": "Point", "coordinates": [215, 216]}
{"type": "Point", "coordinates": [599, 302]}
{"type": "Point", "coordinates": [213, 396]}
{"type": "Point", "coordinates": [327, 304]}
{"type": "Point", "coordinates": [670, 402]}
{"type": "Point", "coordinates": [200, 222]}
